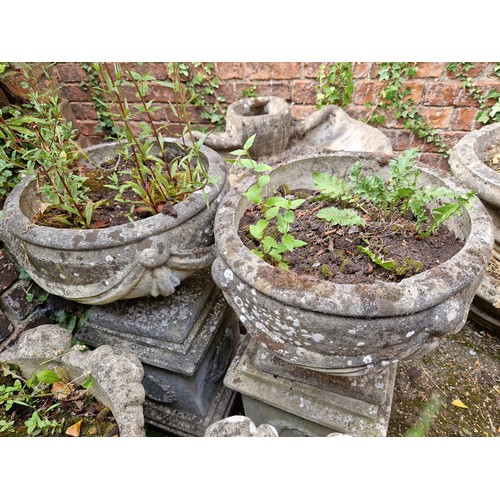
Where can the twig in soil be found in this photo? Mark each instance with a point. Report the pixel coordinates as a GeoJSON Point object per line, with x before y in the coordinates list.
{"type": "Point", "coordinates": [431, 379]}
{"type": "Point", "coordinates": [492, 426]}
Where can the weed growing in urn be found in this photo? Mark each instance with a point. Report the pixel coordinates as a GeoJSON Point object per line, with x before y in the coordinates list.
{"type": "Point", "coordinates": [365, 208]}
{"type": "Point", "coordinates": [148, 173]}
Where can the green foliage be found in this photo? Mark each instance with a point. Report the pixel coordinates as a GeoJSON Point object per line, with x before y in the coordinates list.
{"type": "Point", "coordinates": [31, 393]}
{"type": "Point", "coordinates": [105, 123]}
{"type": "Point", "coordinates": [395, 95]}
{"type": "Point", "coordinates": [272, 244]}
{"type": "Point", "coordinates": [155, 177]}
{"type": "Point", "coordinates": [335, 84]}
{"type": "Point", "coordinates": [202, 87]}
{"type": "Point", "coordinates": [39, 140]}
{"type": "Point", "coordinates": [487, 113]}
{"type": "Point", "coordinates": [71, 321]}
{"type": "Point", "coordinates": [340, 217]}
{"type": "Point", "coordinates": [250, 92]}
{"type": "Point", "coordinates": [398, 202]}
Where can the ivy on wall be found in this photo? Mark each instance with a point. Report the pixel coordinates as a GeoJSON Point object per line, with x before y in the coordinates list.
{"type": "Point", "coordinates": [488, 113]}
{"type": "Point", "coordinates": [105, 124]}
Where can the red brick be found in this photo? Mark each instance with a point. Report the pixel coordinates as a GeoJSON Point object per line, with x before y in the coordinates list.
{"type": "Point", "coordinates": [15, 300]}
{"type": "Point", "coordinates": [84, 111]}
{"type": "Point", "coordinates": [486, 85]}
{"type": "Point", "coordinates": [156, 69]}
{"type": "Point", "coordinates": [452, 137]}
{"type": "Point", "coordinates": [311, 69]}
{"type": "Point", "coordinates": [446, 94]}
{"type": "Point", "coordinates": [478, 69]}
{"type": "Point", "coordinates": [464, 119]}
{"type": "Point", "coordinates": [71, 73]}
{"type": "Point", "coordinates": [88, 128]}
{"type": "Point", "coordinates": [365, 91]}
{"type": "Point", "coordinates": [304, 92]}
{"type": "Point", "coordinates": [286, 70]}
{"type": "Point", "coordinates": [416, 88]}
{"type": "Point", "coordinates": [258, 70]}
{"type": "Point", "coordinates": [90, 140]}
{"type": "Point", "coordinates": [74, 93]}
{"type": "Point", "coordinates": [406, 139]}
{"type": "Point", "coordinates": [357, 112]}
{"type": "Point", "coordinates": [436, 161]}
{"type": "Point", "coordinates": [436, 117]}
{"type": "Point", "coordinates": [229, 70]}
{"type": "Point", "coordinates": [430, 69]}
{"type": "Point", "coordinates": [300, 112]}
{"type": "Point", "coordinates": [159, 115]}
{"type": "Point", "coordinates": [280, 89]}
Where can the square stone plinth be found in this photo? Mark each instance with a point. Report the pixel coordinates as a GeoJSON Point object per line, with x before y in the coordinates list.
{"type": "Point", "coordinates": [185, 343]}
{"type": "Point", "coordinates": [301, 402]}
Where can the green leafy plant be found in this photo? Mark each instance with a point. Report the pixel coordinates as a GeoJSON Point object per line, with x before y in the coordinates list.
{"type": "Point", "coordinates": [487, 113]}
{"type": "Point", "coordinates": [395, 95]}
{"type": "Point", "coordinates": [32, 393]}
{"type": "Point", "coordinates": [202, 87]}
{"type": "Point", "coordinates": [335, 84]}
{"type": "Point", "coordinates": [153, 174]}
{"type": "Point", "coordinates": [105, 123]}
{"type": "Point", "coordinates": [250, 91]}
{"type": "Point", "coordinates": [274, 239]}
{"type": "Point", "coordinates": [396, 205]}
{"type": "Point", "coordinates": [388, 203]}
{"type": "Point", "coordinates": [37, 139]}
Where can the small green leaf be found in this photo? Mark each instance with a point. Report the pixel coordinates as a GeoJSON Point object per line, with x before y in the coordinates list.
{"type": "Point", "coordinates": [272, 212]}
{"type": "Point", "coordinates": [249, 142]}
{"type": "Point", "coordinates": [340, 217]}
{"type": "Point", "coordinates": [257, 230]}
{"type": "Point", "coordinates": [291, 243]}
{"type": "Point", "coordinates": [88, 383]}
{"type": "Point", "coordinates": [48, 376]}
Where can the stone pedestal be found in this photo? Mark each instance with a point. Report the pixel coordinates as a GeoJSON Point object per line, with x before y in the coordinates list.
{"type": "Point", "coordinates": [185, 343]}
{"type": "Point", "coordinates": [301, 402]}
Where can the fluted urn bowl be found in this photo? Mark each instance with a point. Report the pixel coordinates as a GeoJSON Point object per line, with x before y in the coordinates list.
{"type": "Point", "coordinates": [348, 329]}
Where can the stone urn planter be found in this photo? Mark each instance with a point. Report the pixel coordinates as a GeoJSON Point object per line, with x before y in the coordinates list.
{"type": "Point", "coordinates": [149, 257]}
{"type": "Point", "coordinates": [345, 329]}
{"type": "Point", "coordinates": [117, 375]}
{"type": "Point", "coordinates": [268, 117]}
{"type": "Point", "coordinates": [277, 132]}
{"type": "Point", "coordinates": [472, 162]}
{"type": "Point", "coordinates": [468, 162]}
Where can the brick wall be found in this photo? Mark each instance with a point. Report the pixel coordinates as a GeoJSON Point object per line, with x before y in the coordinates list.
{"type": "Point", "coordinates": [441, 100]}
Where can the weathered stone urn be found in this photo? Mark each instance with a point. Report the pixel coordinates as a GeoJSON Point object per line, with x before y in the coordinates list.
{"type": "Point", "coordinates": [348, 329]}
{"type": "Point", "coordinates": [117, 375]}
{"type": "Point", "coordinates": [468, 163]}
{"type": "Point", "coordinates": [471, 162]}
{"type": "Point", "coordinates": [278, 133]}
{"type": "Point", "coordinates": [269, 117]}
{"type": "Point", "coordinates": [149, 257]}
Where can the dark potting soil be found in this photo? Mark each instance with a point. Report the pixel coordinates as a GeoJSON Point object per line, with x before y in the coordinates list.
{"type": "Point", "coordinates": [332, 252]}
{"type": "Point", "coordinates": [111, 212]}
